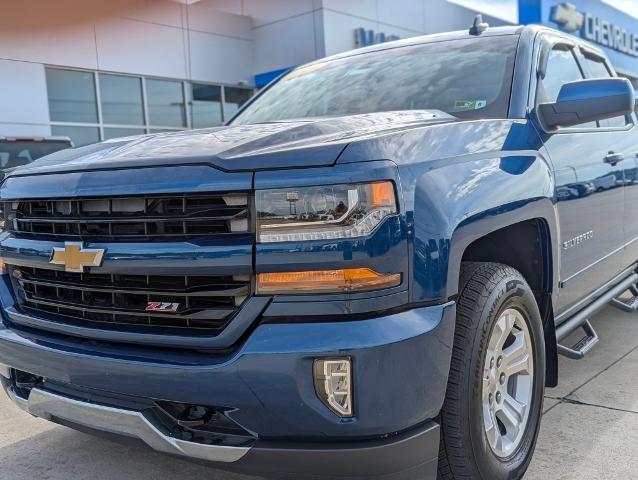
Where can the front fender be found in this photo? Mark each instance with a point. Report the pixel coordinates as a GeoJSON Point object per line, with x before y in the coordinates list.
{"type": "Point", "coordinates": [461, 181]}
{"type": "Point", "coordinates": [467, 199]}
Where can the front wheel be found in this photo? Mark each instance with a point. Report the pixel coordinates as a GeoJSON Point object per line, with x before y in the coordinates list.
{"type": "Point", "coordinates": [494, 399]}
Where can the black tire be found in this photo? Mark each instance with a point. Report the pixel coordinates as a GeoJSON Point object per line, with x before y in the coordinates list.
{"type": "Point", "coordinates": [486, 290]}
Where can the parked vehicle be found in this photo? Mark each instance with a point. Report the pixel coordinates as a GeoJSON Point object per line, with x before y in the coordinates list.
{"type": "Point", "coordinates": [368, 273]}
{"type": "Point", "coordinates": [17, 151]}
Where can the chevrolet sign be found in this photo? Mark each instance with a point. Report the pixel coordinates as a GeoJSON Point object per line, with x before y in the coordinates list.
{"type": "Point", "coordinates": [595, 29]}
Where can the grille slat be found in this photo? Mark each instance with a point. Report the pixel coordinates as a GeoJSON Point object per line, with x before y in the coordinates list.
{"type": "Point", "coordinates": [205, 304]}
{"type": "Point", "coordinates": [121, 220]}
{"type": "Point", "coordinates": [227, 292]}
{"type": "Point", "coordinates": [131, 217]}
{"type": "Point", "coordinates": [217, 314]}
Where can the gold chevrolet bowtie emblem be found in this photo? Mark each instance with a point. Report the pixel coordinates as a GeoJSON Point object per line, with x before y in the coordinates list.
{"type": "Point", "coordinates": [75, 257]}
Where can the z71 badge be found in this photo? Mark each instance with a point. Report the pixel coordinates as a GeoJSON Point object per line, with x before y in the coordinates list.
{"type": "Point", "coordinates": [162, 307]}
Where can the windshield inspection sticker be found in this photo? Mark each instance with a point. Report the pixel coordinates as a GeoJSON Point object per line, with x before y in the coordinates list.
{"type": "Point", "coordinates": [461, 105]}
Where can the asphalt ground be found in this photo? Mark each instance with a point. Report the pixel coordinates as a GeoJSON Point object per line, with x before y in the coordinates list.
{"type": "Point", "coordinates": [589, 429]}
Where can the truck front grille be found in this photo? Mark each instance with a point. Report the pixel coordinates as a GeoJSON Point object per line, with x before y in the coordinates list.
{"type": "Point", "coordinates": [154, 217]}
{"type": "Point", "coordinates": [191, 305]}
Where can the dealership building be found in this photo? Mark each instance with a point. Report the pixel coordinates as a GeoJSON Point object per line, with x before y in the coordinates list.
{"type": "Point", "coordinates": [94, 70]}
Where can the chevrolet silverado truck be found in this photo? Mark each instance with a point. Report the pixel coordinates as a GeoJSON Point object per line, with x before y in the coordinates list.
{"type": "Point", "coordinates": [368, 273]}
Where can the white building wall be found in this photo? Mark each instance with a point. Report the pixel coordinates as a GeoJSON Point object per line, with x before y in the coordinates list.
{"type": "Point", "coordinates": [285, 32]}
{"type": "Point", "coordinates": [157, 38]}
{"type": "Point", "coordinates": [149, 37]}
{"type": "Point", "coordinates": [24, 109]}
{"type": "Point", "coordinates": [213, 41]}
{"type": "Point", "coordinates": [403, 18]}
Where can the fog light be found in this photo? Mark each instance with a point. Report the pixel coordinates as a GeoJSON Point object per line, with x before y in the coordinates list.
{"type": "Point", "coordinates": [333, 383]}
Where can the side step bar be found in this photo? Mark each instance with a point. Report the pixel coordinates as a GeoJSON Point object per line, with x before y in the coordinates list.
{"type": "Point", "coordinates": [581, 320]}
{"type": "Point", "coordinates": [583, 346]}
{"type": "Point", "coordinates": [627, 306]}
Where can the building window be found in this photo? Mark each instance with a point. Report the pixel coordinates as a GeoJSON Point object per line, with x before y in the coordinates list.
{"type": "Point", "coordinates": [80, 135]}
{"type": "Point", "coordinates": [90, 107]}
{"type": "Point", "coordinates": [166, 103]}
{"type": "Point", "coordinates": [71, 96]}
{"type": "Point", "coordinates": [121, 99]}
{"type": "Point", "coordinates": [234, 98]}
{"type": "Point", "coordinates": [206, 105]}
{"type": "Point", "coordinates": [116, 132]}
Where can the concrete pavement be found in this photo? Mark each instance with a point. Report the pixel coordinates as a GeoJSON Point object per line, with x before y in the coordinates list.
{"type": "Point", "coordinates": [589, 431]}
{"type": "Point", "coordinates": [590, 426]}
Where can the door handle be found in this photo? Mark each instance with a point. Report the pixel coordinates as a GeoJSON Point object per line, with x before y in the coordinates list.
{"type": "Point", "coordinates": [614, 158]}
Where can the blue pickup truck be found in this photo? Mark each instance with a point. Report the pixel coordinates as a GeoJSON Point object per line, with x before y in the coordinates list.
{"type": "Point", "coordinates": [368, 273]}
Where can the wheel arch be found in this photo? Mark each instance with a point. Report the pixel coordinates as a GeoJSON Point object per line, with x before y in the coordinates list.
{"type": "Point", "coordinates": [527, 244]}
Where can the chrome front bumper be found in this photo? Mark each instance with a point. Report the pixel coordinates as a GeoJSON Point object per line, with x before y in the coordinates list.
{"type": "Point", "coordinates": [130, 423]}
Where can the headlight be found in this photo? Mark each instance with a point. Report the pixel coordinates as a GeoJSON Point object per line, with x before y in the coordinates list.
{"type": "Point", "coordinates": [324, 212]}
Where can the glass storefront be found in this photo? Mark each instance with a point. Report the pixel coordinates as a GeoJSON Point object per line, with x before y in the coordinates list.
{"type": "Point", "coordinates": [92, 106]}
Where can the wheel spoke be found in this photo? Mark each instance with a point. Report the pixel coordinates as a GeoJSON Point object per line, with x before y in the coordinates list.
{"type": "Point", "coordinates": [510, 419]}
{"type": "Point", "coordinates": [504, 326]}
{"type": "Point", "coordinates": [519, 366]}
{"type": "Point", "coordinates": [516, 356]}
{"type": "Point", "coordinates": [492, 432]}
{"type": "Point", "coordinates": [515, 407]}
{"type": "Point", "coordinates": [491, 426]}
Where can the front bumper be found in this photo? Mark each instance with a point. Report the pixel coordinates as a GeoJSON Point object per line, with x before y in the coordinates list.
{"type": "Point", "coordinates": [400, 368]}
{"type": "Point", "coordinates": [355, 459]}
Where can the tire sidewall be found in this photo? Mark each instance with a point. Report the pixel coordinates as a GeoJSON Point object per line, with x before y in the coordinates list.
{"type": "Point", "coordinates": [512, 292]}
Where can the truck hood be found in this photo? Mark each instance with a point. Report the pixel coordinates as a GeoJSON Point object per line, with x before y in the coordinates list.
{"type": "Point", "coordinates": [303, 143]}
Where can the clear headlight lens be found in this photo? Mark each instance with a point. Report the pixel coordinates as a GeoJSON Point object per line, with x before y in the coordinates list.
{"type": "Point", "coordinates": [323, 212]}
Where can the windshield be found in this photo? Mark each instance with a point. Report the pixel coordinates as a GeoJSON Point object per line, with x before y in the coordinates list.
{"type": "Point", "coordinates": [20, 152]}
{"type": "Point", "coordinates": [469, 78]}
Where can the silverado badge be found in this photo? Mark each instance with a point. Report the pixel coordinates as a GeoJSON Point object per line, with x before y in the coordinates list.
{"type": "Point", "coordinates": [76, 258]}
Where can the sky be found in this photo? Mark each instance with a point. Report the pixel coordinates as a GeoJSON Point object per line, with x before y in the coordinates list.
{"type": "Point", "coordinates": [627, 6]}
{"type": "Point", "coordinates": [508, 9]}
{"type": "Point", "coordinates": [504, 9]}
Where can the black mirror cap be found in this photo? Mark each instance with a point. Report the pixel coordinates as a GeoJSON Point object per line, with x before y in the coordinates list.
{"type": "Point", "coordinates": [587, 101]}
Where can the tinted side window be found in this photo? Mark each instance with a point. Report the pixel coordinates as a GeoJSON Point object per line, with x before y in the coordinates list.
{"type": "Point", "coordinates": [562, 68]}
{"type": "Point", "coordinates": [598, 69]}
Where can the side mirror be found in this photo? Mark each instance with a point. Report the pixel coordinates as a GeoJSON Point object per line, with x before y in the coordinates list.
{"type": "Point", "coordinates": [587, 101]}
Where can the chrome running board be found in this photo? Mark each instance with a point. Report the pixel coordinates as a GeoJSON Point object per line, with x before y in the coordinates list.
{"type": "Point", "coordinates": [131, 423]}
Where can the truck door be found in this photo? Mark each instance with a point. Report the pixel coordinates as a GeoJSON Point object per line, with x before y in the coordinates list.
{"type": "Point", "coordinates": [599, 67]}
{"type": "Point", "coordinates": [589, 183]}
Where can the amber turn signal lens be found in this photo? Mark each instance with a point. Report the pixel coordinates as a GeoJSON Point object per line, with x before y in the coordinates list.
{"type": "Point", "coordinates": [326, 281]}
{"type": "Point", "coordinates": [382, 194]}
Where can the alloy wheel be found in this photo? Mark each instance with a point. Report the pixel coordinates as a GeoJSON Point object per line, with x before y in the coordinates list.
{"type": "Point", "coordinates": [508, 378]}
